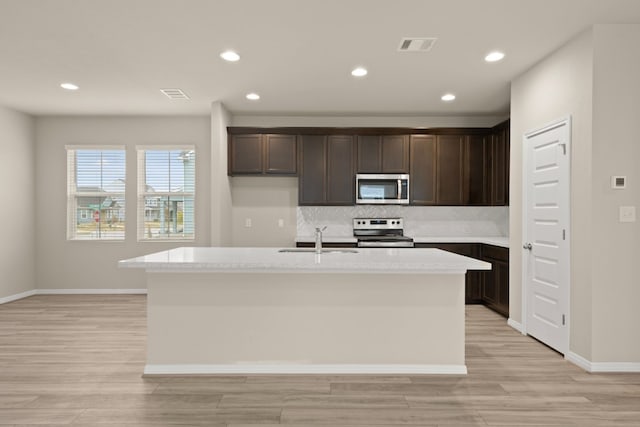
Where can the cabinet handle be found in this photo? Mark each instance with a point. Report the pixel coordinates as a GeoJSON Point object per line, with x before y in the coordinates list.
{"type": "Point", "coordinates": [527, 246]}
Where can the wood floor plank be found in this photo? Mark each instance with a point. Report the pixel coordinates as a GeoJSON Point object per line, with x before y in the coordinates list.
{"type": "Point", "coordinates": [77, 360]}
{"type": "Point", "coordinates": [370, 416]}
{"type": "Point", "coordinates": [169, 416]}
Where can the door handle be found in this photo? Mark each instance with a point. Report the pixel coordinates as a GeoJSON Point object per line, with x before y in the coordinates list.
{"type": "Point", "coordinates": [527, 246]}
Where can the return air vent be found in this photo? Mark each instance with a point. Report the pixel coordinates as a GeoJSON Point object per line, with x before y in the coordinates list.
{"type": "Point", "coordinates": [416, 44]}
{"type": "Point", "coordinates": [174, 93]}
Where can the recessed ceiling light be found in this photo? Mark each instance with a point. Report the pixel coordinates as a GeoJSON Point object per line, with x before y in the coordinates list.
{"type": "Point", "coordinates": [253, 96]}
{"type": "Point", "coordinates": [448, 97]}
{"type": "Point", "coordinates": [359, 72]}
{"type": "Point", "coordinates": [494, 56]}
{"type": "Point", "coordinates": [69, 86]}
{"type": "Point", "coordinates": [230, 56]}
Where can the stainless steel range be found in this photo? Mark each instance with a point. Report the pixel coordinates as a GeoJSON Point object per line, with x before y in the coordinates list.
{"type": "Point", "coordinates": [381, 233]}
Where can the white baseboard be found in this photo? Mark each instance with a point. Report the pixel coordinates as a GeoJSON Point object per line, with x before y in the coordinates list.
{"type": "Point", "coordinates": [32, 292]}
{"type": "Point", "coordinates": [187, 369]}
{"type": "Point", "coordinates": [16, 297]}
{"type": "Point", "coordinates": [89, 291]}
{"type": "Point", "coordinates": [627, 367]}
{"type": "Point", "coordinates": [516, 325]}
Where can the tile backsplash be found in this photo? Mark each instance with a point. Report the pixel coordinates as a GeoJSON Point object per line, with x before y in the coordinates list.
{"type": "Point", "coordinates": [419, 221]}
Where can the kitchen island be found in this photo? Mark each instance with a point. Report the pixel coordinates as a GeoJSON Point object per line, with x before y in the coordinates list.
{"type": "Point", "coordinates": [261, 310]}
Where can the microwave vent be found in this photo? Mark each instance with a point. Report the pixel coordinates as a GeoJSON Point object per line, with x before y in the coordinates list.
{"type": "Point", "coordinates": [416, 44]}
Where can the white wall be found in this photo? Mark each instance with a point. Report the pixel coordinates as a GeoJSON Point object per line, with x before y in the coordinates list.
{"type": "Point", "coordinates": [559, 86]}
{"type": "Point", "coordinates": [616, 151]}
{"type": "Point", "coordinates": [17, 215]}
{"type": "Point", "coordinates": [594, 78]}
{"type": "Point", "coordinates": [221, 229]}
{"type": "Point", "coordinates": [66, 264]}
{"type": "Point", "coordinates": [264, 201]}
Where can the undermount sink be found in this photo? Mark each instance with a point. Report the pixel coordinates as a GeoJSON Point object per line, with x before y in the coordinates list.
{"type": "Point", "coordinates": [324, 250]}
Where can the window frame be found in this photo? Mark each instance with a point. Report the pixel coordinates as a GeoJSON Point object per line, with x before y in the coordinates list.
{"type": "Point", "coordinates": [73, 194]}
{"type": "Point", "coordinates": [141, 206]}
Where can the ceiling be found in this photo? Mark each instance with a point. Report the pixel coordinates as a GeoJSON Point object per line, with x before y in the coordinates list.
{"type": "Point", "coordinates": [297, 54]}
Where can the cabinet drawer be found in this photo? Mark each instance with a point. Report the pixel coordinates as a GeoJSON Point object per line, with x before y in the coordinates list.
{"type": "Point", "coordinates": [495, 252]}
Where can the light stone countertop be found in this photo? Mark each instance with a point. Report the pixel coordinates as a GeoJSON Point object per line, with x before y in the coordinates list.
{"type": "Point", "coordinates": [270, 260]}
{"type": "Point", "coordinates": [501, 241]}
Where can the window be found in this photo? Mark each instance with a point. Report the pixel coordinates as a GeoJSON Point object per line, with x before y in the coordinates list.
{"type": "Point", "coordinates": [166, 193]}
{"type": "Point", "coordinates": [95, 193]}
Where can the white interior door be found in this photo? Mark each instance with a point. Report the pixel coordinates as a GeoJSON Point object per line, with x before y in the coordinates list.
{"type": "Point", "coordinates": [546, 248]}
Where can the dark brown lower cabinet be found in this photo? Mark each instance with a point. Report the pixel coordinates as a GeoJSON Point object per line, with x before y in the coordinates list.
{"type": "Point", "coordinates": [488, 287]}
{"type": "Point", "coordinates": [495, 283]}
{"type": "Point", "coordinates": [473, 282]}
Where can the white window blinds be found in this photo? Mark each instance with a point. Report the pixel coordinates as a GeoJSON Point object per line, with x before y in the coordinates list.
{"type": "Point", "coordinates": [166, 193]}
{"type": "Point", "coordinates": [96, 193]}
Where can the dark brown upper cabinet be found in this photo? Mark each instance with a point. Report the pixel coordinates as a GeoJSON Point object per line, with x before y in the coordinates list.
{"type": "Point", "coordinates": [262, 154]}
{"type": "Point", "coordinates": [422, 169]}
{"type": "Point", "coordinates": [478, 178]}
{"type": "Point", "coordinates": [438, 170]}
{"type": "Point", "coordinates": [383, 154]}
{"type": "Point", "coordinates": [451, 176]}
{"type": "Point", "coordinates": [447, 166]}
{"type": "Point", "coordinates": [327, 175]}
{"type": "Point", "coordinates": [498, 165]}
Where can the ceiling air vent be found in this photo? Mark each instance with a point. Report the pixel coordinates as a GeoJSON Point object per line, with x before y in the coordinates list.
{"type": "Point", "coordinates": [416, 44]}
{"type": "Point", "coordinates": [174, 93]}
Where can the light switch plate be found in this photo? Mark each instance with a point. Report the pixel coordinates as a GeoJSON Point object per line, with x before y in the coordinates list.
{"type": "Point", "coordinates": [627, 214]}
{"type": "Point", "coordinates": [247, 222]}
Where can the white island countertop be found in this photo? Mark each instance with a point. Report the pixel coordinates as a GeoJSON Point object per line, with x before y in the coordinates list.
{"type": "Point", "coordinates": [271, 260]}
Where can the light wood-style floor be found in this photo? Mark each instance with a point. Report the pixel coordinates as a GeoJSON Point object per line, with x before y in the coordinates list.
{"type": "Point", "coordinates": [78, 360]}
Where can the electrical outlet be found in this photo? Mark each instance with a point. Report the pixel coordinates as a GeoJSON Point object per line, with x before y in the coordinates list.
{"type": "Point", "coordinates": [627, 214]}
{"type": "Point", "coordinates": [247, 222]}
{"type": "Point", "coordinates": [281, 223]}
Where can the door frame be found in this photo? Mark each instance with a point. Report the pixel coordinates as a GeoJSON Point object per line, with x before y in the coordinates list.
{"type": "Point", "coordinates": [563, 121]}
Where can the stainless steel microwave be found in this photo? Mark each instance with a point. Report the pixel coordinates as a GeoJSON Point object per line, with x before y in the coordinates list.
{"type": "Point", "coordinates": [382, 189]}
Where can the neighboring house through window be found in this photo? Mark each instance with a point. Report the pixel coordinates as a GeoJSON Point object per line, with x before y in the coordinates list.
{"type": "Point", "coordinates": [95, 193]}
{"type": "Point", "coordinates": [166, 193]}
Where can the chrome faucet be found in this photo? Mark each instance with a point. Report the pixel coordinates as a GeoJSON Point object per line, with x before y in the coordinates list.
{"type": "Point", "coordinates": [319, 239]}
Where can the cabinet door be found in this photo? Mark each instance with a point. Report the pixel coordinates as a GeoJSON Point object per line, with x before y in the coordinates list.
{"type": "Point", "coordinates": [395, 154]}
{"type": "Point", "coordinates": [495, 289]}
{"type": "Point", "coordinates": [489, 294]}
{"type": "Point", "coordinates": [383, 154]}
{"type": "Point", "coordinates": [311, 182]}
{"type": "Point", "coordinates": [340, 177]}
{"type": "Point", "coordinates": [478, 179]}
{"type": "Point", "coordinates": [280, 154]}
{"type": "Point", "coordinates": [245, 154]}
{"type": "Point", "coordinates": [502, 287]}
{"type": "Point", "coordinates": [369, 154]}
{"type": "Point", "coordinates": [499, 165]}
{"type": "Point", "coordinates": [450, 175]}
{"type": "Point", "coordinates": [422, 158]}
